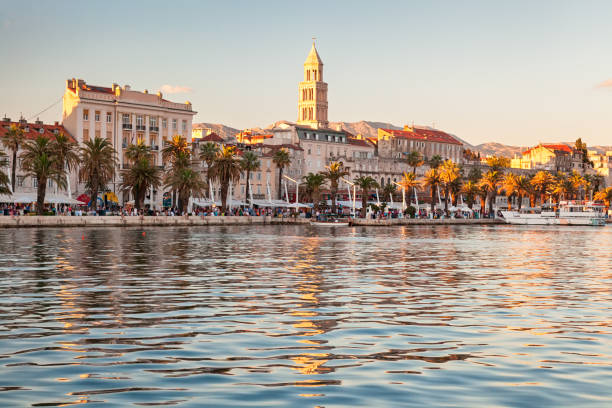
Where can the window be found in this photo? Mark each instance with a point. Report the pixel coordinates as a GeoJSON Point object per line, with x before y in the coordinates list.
{"type": "Point", "coordinates": [153, 122]}
{"type": "Point", "coordinates": [86, 114]}
{"type": "Point", "coordinates": [138, 120]}
{"type": "Point", "coordinates": [258, 176]}
{"type": "Point", "coordinates": [109, 117]}
{"type": "Point", "coordinates": [164, 123]}
{"type": "Point", "coordinates": [97, 116]}
{"type": "Point", "coordinates": [184, 125]}
{"type": "Point", "coordinates": [34, 182]}
{"type": "Point", "coordinates": [318, 149]}
{"type": "Point", "coordinates": [126, 118]}
{"type": "Point", "coordinates": [50, 183]}
{"type": "Point", "coordinates": [173, 124]}
{"type": "Point", "coordinates": [20, 181]}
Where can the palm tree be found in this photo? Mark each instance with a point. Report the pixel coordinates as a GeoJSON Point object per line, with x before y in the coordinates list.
{"type": "Point", "coordinates": [141, 176]}
{"type": "Point", "coordinates": [186, 181]}
{"type": "Point", "coordinates": [564, 188]}
{"type": "Point", "coordinates": [174, 148]}
{"type": "Point", "coordinates": [389, 191]}
{"type": "Point", "coordinates": [67, 153]}
{"type": "Point", "coordinates": [313, 183]}
{"type": "Point", "coordinates": [249, 163]}
{"type": "Point", "coordinates": [335, 171]}
{"type": "Point", "coordinates": [509, 185]}
{"type": "Point", "coordinates": [138, 151]}
{"type": "Point", "coordinates": [365, 183]}
{"type": "Point", "coordinates": [12, 140]}
{"type": "Point", "coordinates": [4, 179]}
{"type": "Point", "coordinates": [578, 182]}
{"type": "Point", "coordinates": [454, 188]}
{"type": "Point", "coordinates": [449, 172]}
{"type": "Point", "coordinates": [489, 183]}
{"type": "Point", "coordinates": [523, 188]}
{"type": "Point", "coordinates": [226, 169]}
{"type": "Point", "coordinates": [541, 183]}
{"type": "Point", "coordinates": [432, 180]}
{"type": "Point", "coordinates": [414, 160]}
{"type": "Point", "coordinates": [39, 160]}
{"type": "Point", "coordinates": [282, 159]}
{"type": "Point", "coordinates": [98, 162]}
{"type": "Point", "coordinates": [409, 182]}
{"type": "Point", "coordinates": [604, 195]}
{"type": "Point", "coordinates": [435, 162]}
{"type": "Point", "coordinates": [208, 153]}
{"type": "Point", "coordinates": [471, 191]}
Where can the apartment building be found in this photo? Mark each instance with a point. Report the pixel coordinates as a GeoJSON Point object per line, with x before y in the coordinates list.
{"type": "Point", "coordinates": [124, 116]}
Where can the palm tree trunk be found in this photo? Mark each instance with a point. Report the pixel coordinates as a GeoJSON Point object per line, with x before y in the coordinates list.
{"type": "Point", "coordinates": [520, 201]}
{"type": "Point", "coordinates": [280, 183]}
{"type": "Point", "coordinates": [40, 196]}
{"type": "Point", "coordinates": [433, 198]}
{"type": "Point", "coordinates": [445, 199]}
{"type": "Point", "coordinates": [364, 203]}
{"type": "Point", "coordinates": [509, 199]}
{"type": "Point", "coordinates": [94, 199]}
{"type": "Point", "coordinates": [224, 191]}
{"type": "Point", "coordinates": [14, 169]}
{"type": "Point", "coordinates": [184, 202]}
{"type": "Point", "coordinates": [334, 191]}
{"type": "Point", "coordinates": [248, 184]}
{"type": "Point", "coordinates": [492, 198]}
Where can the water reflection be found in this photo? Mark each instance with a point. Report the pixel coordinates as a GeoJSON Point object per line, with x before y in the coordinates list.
{"type": "Point", "coordinates": [224, 316]}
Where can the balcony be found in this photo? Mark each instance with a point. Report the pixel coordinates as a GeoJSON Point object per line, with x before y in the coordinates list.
{"type": "Point", "coordinates": [141, 127]}
{"type": "Point", "coordinates": [124, 145]}
{"type": "Point", "coordinates": [126, 166]}
{"type": "Point", "coordinates": [154, 129]}
{"type": "Point", "coordinates": [154, 147]}
{"type": "Point", "coordinates": [160, 167]}
{"type": "Point", "coordinates": [127, 126]}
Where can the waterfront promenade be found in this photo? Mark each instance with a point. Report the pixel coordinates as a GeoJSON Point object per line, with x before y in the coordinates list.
{"type": "Point", "coordinates": [138, 221]}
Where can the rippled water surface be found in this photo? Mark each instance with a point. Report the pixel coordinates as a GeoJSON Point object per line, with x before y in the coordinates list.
{"type": "Point", "coordinates": [297, 316]}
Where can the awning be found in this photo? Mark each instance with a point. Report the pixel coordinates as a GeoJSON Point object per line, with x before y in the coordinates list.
{"type": "Point", "coordinates": [26, 198]}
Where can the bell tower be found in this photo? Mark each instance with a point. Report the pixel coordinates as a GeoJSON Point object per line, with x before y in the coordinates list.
{"type": "Point", "coordinates": [312, 98]}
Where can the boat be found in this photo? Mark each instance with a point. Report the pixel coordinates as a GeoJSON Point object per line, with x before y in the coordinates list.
{"type": "Point", "coordinates": [575, 212]}
{"type": "Point", "coordinates": [326, 221]}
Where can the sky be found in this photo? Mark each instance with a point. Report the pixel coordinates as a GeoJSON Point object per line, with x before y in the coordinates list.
{"type": "Point", "coordinates": [513, 72]}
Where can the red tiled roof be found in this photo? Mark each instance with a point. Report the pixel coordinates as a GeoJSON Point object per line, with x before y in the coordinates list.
{"type": "Point", "coordinates": [424, 134]}
{"type": "Point", "coordinates": [554, 147]}
{"type": "Point", "coordinates": [285, 146]}
{"type": "Point", "coordinates": [358, 142]}
{"type": "Point", "coordinates": [34, 129]}
{"type": "Point", "coordinates": [212, 137]}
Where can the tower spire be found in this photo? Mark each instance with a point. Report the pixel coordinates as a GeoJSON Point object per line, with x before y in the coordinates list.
{"type": "Point", "coordinates": [312, 100]}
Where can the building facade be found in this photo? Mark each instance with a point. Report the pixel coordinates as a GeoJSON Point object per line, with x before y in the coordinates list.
{"type": "Point", "coordinates": [124, 116]}
{"type": "Point", "coordinates": [551, 157]}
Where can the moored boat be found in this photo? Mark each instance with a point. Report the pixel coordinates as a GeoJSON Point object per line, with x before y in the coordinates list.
{"type": "Point", "coordinates": [324, 221]}
{"type": "Point", "coordinates": [567, 213]}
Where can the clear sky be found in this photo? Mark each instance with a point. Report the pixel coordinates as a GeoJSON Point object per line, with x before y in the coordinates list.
{"type": "Point", "coordinates": [515, 72]}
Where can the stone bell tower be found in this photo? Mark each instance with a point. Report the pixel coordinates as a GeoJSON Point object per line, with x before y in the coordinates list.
{"type": "Point", "coordinates": [312, 100]}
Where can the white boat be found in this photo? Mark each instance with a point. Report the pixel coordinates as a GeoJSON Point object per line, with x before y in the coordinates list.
{"type": "Point", "coordinates": [324, 221]}
{"type": "Point", "coordinates": [568, 213]}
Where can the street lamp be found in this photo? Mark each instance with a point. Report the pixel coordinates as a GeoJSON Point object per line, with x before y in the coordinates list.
{"type": "Point", "coordinates": [354, 194]}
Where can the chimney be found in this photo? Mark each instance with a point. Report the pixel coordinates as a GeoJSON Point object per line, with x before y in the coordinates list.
{"type": "Point", "coordinates": [22, 121]}
{"type": "Point", "coordinates": [126, 87]}
{"type": "Point", "coordinates": [160, 94]}
{"type": "Point", "coordinates": [38, 121]}
{"type": "Point", "coordinates": [6, 118]}
{"type": "Point", "coordinates": [56, 123]}
{"type": "Point", "coordinates": [80, 83]}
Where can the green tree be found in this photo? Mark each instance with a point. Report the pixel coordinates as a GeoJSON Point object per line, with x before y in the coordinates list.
{"type": "Point", "coordinates": [366, 184]}
{"type": "Point", "coordinates": [67, 153]}
{"type": "Point", "coordinates": [414, 160]}
{"type": "Point", "coordinates": [489, 184]}
{"type": "Point", "coordinates": [409, 183]}
{"type": "Point", "coordinates": [39, 160]}
{"type": "Point", "coordinates": [97, 166]}
{"type": "Point", "coordinates": [140, 177]}
{"type": "Point", "coordinates": [509, 186]}
{"type": "Point", "coordinates": [226, 169]}
{"type": "Point", "coordinates": [388, 192]}
{"type": "Point", "coordinates": [579, 184]}
{"type": "Point", "coordinates": [249, 163]}
{"type": "Point", "coordinates": [542, 182]}
{"type": "Point", "coordinates": [474, 175]}
{"type": "Point", "coordinates": [432, 180]}
{"type": "Point", "coordinates": [471, 191]}
{"type": "Point", "coordinates": [498, 162]}
{"type": "Point", "coordinates": [435, 162]}
{"type": "Point", "coordinates": [523, 187]}
{"type": "Point", "coordinates": [185, 180]}
{"type": "Point", "coordinates": [208, 153]}
{"type": "Point", "coordinates": [12, 140]}
{"type": "Point", "coordinates": [312, 184]}
{"type": "Point", "coordinates": [4, 179]}
{"type": "Point", "coordinates": [281, 159]}
{"type": "Point", "coordinates": [335, 171]}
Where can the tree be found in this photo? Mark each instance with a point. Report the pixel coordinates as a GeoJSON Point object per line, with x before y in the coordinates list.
{"type": "Point", "coordinates": [509, 186]}
{"type": "Point", "coordinates": [186, 181]}
{"type": "Point", "coordinates": [140, 177]}
{"type": "Point", "coordinates": [563, 188]}
{"type": "Point", "coordinates": [39, 160]}
{"type": "Point", "coordinates": [454, 188]}
{"type": "Point", "coordinates": [475, 175]}
{"type": "Point", "coordinates": [208, 153]}
{"type": "Point", "coordinates": [432, 180]}
{"type": "Point", "coordinates": [4, 179]}
{"type": "Point", "coordinates": [249, 163]}
{"type": "Point", "coordinates": [414, 160]}
{"type": "Point", "coordinates": [312, 184]}
{"type": "Point", "coordinates": [604, 195]}
{"type": "Point", "coordinates": [389, 191]}
{"type": "Point", "coordinates": [541, 183]}
{"type": "Point", "coordinates": [409, 183]}
{"type": "Point", "coordinates": [226, 169]}
{"type": "Point", "coordinates": [489, 183]}
{"type": "Point", "coordinates": [281, 159]}
{"type": "Point", "coordinates": [335, 171]}
{"type": "Point", "coordinates": [471, 191]}
{"type": "Point", "coordinates": [177, 147]}
{"type": "Point", "coordinates": [498, 162]}
{"type": "Point", "coordinates": [98, 162]}
{"type": "Point", "coordinates": [435, 162]}
{"type": "Point", "coordinates": [12, 140]}
{"type": "Point", "coordinates": [578, 182]}
{"type": "Point", "coordinates": [67, 153]}
{"type": "Point", "coordinates": [582, 148]}
{"type": "Point", "coordinates": [449, 172]}
{"type": "Point", "coordinates": [523, 188]}
{"type": "Point", "coordinates": [365, 183]}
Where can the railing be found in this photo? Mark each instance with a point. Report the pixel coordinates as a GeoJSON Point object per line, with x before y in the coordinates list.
{"type": "Point", "coordinates": [154, 147]}
{"type": "Point", "coordinates": [127, 126]}
{"type": "Point", "coordinates": [160, 167]}
{"type": "Point", "coordinates": [141, 127]}
{"type": "Point", "coordinates": [124, 145]}
{"type": "Point", "coordinates": [154, 129]}
{"type": "Point", "coordinates": [126, 166]}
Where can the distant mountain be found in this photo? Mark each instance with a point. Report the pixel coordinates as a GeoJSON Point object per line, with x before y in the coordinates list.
{"type": "Point", "coordinates": [498, 149]}
{"type": "Point", "coordinates": [225, 132]}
